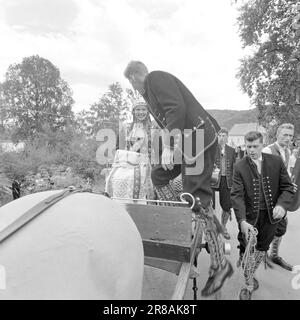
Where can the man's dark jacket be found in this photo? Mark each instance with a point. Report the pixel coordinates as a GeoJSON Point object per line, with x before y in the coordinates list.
{"type": "Point", "coordinates": [245, 192]}
{"type": "Point", "coordinates": [173, 106]}
{"type": "Point", "coordinates": [230, 157]}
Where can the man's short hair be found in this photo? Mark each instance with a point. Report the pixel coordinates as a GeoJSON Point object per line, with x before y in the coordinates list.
{"type": "Point", "coordinates": [135, 67]}
{"type": "Point", "coordinates": [223, 130]}
{"type": "Point", "coordinates": [289, 126]}
{"type": "Point", "coordinates": [254, 135]}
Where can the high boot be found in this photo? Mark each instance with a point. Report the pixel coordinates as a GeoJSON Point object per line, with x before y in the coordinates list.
{"type": "Point", "coordinates": [251, 266]}
{"type": "Point", "coordinates": [220, 268]}
{"type": "Point", "coordinates": [224, 219]}
{"type": "Point", "coordinates": [275, 258]}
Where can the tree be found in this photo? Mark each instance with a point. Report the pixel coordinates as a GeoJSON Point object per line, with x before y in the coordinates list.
{"type": "Point", "coordinates": [2, 112]}
{"type": "Point", "coordinates": [112, 107]}
{"type": "Point", "coordinates": [269, 74]}
{"type": "Point", "coordinates": [34, 94]}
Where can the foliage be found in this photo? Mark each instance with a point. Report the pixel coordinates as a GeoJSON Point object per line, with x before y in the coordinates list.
{"type": "Point", "coordinates": [67, 148]}
{"type": "Point", "coordinates": [32, 95]}
{"type": "Point", "coordinates": [109, 110]}
{"type": "Point", "coordinates": [113, 106]}
{"type": "Point", "coordinates": [35, 107]}
{"type": "Point", "coordinates": [269, 73]}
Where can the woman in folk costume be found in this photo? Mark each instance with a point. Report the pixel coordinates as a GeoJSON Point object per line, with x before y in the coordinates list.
{"type": "Point", "coordinates": [130, 174]}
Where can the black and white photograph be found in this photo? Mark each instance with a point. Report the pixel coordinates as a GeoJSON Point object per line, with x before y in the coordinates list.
{"type": "Point", "coordinates": [149, 151]}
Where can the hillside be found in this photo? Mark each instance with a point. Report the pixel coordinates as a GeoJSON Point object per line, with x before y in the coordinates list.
{"type": "Point", "coordinates": [227, 118]}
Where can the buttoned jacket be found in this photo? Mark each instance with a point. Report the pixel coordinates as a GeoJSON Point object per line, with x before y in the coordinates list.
{"type": "Point", "coordinates": [277, 187]}
{"type": "Point", "coordinates": [173, 106]}
{"type": "Point", "coordinates": [274, 149]}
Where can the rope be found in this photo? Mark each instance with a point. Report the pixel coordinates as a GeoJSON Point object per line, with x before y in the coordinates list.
{"type": "Point", "coordinates": [248, 260]}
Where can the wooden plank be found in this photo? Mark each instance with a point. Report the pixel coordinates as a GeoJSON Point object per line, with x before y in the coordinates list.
{"type": "Point", "coordinates": [162, 223]}
{"type": "Point", "coordinates": [167, 239]}
{"type": "Point", "coordinates": [182, 281]}
{"type": "Point", "coordinates": [167, 250]}
{"type": "Point", "coordinates": [163, 264]}
{"type": "Point", "coordinates": [198, 235]}
{"type": "Point", "coordinates": [33, 212]}
{"type": "Point", "coordinates": [184, 274]}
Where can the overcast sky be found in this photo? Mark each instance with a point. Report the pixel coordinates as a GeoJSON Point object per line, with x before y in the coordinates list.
{"type": "Point", "coordinates": [91, 42]}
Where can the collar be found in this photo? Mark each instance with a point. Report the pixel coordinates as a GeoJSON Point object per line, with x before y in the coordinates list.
{"type": "Point", "coordinates": [144, 86]}
{"type": "Point", "coordinates": [260, 158]}
{"type": "Point", "coordinates": [255, 161]}
{"type": "Point", "coordinates": [279, 146]}
{"type": "Point", "coordinates": [222, 148]}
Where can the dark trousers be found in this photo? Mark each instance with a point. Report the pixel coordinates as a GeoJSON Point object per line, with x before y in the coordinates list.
{"type": "Point", "coordinates": [16, 190]}
{"type": "Point", "coordinates": [281, 227]}
{"type": "Point", "coordinates": [266, 232]}
{"type": "Point", "coordinates": [224, 194]}
{"type": "Point", "coordinates": [197, 185]}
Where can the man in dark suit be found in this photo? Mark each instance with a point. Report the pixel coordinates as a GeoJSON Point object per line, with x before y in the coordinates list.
{"type": "Point", "coordinates": [225, 158]}
{"type": "Point", "coordinates": [175, 108]}
{"type": "Point", "coordinates": [260, 195]}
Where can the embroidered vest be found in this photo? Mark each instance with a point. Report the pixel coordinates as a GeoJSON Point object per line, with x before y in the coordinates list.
{"type": "Point", "coordinates": [223, 163]}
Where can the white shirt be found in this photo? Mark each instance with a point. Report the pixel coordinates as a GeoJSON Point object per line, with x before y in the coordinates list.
{"type": "Point", "coordinates": [222, 150]}
{"type": "Point", "coordinates": [292, 159]}
{"type": "Point", "coordinates": [258, 163]}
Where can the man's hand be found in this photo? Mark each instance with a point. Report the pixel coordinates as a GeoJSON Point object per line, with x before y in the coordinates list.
{"type": "Point", "coordinates": [167, 158]}
{"type": "Point", "coordinates": [278, 212]}
{"type": "Point", "coordinates": [246, 228]}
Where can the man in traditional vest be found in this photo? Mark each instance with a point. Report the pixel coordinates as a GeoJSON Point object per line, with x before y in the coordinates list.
{"type": "Point", "coordinates": [284, 136]}
{"type": "Point", "coordinates": [225, 158]}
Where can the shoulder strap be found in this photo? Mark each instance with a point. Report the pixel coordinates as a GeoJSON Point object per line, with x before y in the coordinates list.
{"type": "Point", "coordinates": [35, 211]}
{"type": "Point", "coordinates": [274, 149]}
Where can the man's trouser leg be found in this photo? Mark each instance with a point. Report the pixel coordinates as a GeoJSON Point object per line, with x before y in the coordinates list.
{"type": "Point", "coordinates": [196, 177]}
{"type": "Point", "coordinates": [266, 232]}
{"type": "Point", "coordinates": [225, 202]}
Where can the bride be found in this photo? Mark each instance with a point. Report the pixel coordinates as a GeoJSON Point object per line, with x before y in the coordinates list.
{"type": "Point", "coordinates": [130, 175]}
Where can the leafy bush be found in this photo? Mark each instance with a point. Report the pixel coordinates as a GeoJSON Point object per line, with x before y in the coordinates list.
{"type": "Point", "coordinates": [69, 149]}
